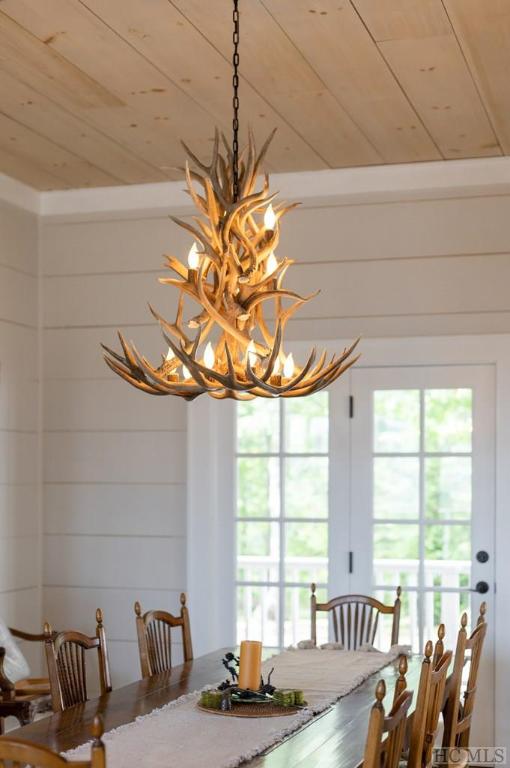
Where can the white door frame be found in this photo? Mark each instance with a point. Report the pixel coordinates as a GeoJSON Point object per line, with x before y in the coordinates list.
{"type": "Point", "coordinates": [211, 487]}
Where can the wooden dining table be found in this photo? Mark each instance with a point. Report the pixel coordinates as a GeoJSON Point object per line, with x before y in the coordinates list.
{"type": "Point", "coordinates": [333, 739]}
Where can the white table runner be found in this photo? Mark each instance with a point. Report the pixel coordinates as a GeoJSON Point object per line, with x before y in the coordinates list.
{"type": "Point", "coordinates": [181, 736]}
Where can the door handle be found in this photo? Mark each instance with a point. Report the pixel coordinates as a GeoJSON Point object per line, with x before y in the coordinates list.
{"type": "Point", "coordinates": [481, 587]}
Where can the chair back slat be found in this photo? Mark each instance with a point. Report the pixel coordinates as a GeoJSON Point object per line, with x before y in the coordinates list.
{"type": "Point", "coordinates": [154, 631]}
{"type": "Point", "coordinates": [385, 737]}
{"type": "Point", "coordinates": [66, 660]}
{"type": "Point", "coordinates": [459, 707]}
{"type": "Point", "coordinates": [355, 618]}
{"type": "Point", "coordinates": [429, 701]}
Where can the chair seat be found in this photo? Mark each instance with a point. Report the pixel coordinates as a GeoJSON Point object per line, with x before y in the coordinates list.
{"type": "Point", "coordinates": [36, 686]}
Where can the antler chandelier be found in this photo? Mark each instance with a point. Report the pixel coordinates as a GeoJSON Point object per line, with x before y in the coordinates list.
{"type": "Point", "coordinates": [234, 277]}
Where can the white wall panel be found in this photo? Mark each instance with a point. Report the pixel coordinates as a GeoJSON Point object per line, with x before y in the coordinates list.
{"type": "Point", "coordinates": [407, 229]}
{"type": "Point", "coordinates": [20, 571]}
{"type": "Point", "coordinates": [114, 300]}
{"type": "Point", "coordinates": [76, 353]}
{"type": "Point", "coordinates": [104, 405]}
{"type": "Point", "coordinates": [114, 561]}
{"type": "Point", "coordinates": [115, 510]}
{"type": "Point", "coordinates": [19, 246]}
{"type": "Point", "coordinates": [114, 457]}
{"type": "Point", "coordinates": [19, 452]}
{"type": "Point", "coordinates": [18, 507]}
{"type": "Point", "coordinates": [112, 246]}
{"type": "Point", "coordinates": [19, 563]}
{"type": "Point", "coordinates": [18, 297]}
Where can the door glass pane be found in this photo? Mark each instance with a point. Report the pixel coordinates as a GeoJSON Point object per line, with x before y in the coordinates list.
{"type": "Point", "coordinates": [447, 555]}
{"type": "Point", "coordinates": [305, 540]}
{"type": "Point", "coordinates": [306, 486]}
{"type": "Point", "coordinates": [448, 487]}
{"type": "Point", "coordinates": [258, 426]}
{"type": "Point", "coordinates": [448, 420]}
{"type": "Point", "coordinates": [258, 486]}
{"type": "Point", "coordinates": [306, 424]}
{"type": "Point", "coordinates": [257, 613]}
{"type": "Point", "coordinates": [424, 558]}
{"type": "Point", "coordinates": [258, 539]}
{"type": "Point", "coordinates": [396, 421]}
{"type": "Point", "coordinates": [278, 557]}
{"type": "Point", "coordinates": [396, 542]}
{"type": "Point", "coordinates": [396, 487]}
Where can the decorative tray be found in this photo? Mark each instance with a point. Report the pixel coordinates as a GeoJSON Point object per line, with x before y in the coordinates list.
{"type": "Point", "coordinates": [253, 710]}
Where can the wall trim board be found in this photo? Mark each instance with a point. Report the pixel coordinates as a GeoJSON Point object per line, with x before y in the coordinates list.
{"type": "Point", "coordinates": [380, 183]}
{"type": "Point", "coordinates": [22, 196]}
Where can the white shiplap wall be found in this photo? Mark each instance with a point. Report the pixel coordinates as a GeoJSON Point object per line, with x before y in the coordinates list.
{"type": "Point", "coordinates": [114, 459]}
{"type": "Point", "coordinates": [20, 562]}
{"type": "Point", "coordinates": [114, 462]}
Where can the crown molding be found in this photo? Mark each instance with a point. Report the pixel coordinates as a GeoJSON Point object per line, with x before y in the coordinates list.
{"type": "Point", "coordinates": [343, 186]}
{"type": "Point", "coordinates": [20, 195]}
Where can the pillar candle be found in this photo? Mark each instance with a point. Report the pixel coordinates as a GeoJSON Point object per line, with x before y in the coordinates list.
{"type": "Point", "coordinates": [249, 664]}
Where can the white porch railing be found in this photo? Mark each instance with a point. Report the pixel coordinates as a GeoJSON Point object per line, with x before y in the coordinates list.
{"type": "Point", "coordinates": [444, 597]}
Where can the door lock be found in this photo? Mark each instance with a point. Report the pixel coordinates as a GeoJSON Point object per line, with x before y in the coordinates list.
{"type": "Point", "coordinates": [482, 556]}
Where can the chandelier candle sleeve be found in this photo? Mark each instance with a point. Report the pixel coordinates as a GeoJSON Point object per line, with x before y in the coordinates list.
{"type": "Point", "coordinates": [250, 661]}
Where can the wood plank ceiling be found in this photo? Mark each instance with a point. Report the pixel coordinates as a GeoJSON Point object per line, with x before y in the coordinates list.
{"type": "Point", "coordinates": [99, 92]}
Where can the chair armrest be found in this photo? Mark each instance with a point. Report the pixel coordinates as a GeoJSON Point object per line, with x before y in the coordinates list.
{"type": "Point", "coordinates": [6, 686]}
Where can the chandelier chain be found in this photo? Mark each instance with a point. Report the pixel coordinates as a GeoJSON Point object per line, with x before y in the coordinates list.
{"type": "Point", "coordinates": [235, 104]}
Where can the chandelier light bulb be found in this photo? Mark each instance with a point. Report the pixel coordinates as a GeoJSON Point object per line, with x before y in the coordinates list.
{"type": "Point", "coordinates": [169, 355]}
{"type": "Point", "coordinates": [250, 351]}
{"type": "Point", "coordinates": [288, 366]}
{"type": "Point", "coordinates": [185, 373]}
{"type": "Point", "coordinates": [271, 263]}
{"type": "Point", "coordinates": [209, 356]}
{"type": "Point", "coordinates": [193, 257]}
{"type": "Point", "coordinates": [276, 367]}
{"type": "Point", "coordinates": [269, 218]}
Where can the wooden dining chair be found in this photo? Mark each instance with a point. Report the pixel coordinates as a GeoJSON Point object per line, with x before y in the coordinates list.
{"type": "Point", "coordinates": [429, 701]}
{"type": "Point", "coordinates": [65, 656]}
{"type": "Point", "coordinates": [25, 698]}
{"type": "Point", "coordinates": [385, 737]}
{"type": "Point", "coordinates": [459, 706]}
{"type": "Point", "coordinates": [355, 618]}
{"type": "Point", "coordinates": [15, 753]}
{"type": "Point", "coordinates": [154, 629]}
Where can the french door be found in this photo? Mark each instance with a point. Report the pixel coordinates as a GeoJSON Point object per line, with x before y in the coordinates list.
{"type": "Point", "coordinates": [422, 498]}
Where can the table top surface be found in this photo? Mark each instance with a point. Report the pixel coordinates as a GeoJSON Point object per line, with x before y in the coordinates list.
{"type": "Point", "coordinates": [334, 738]}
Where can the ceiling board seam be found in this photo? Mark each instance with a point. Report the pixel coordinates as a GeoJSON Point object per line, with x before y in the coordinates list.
{"type": "Point", "coordinates": [143, 56]}
{"type": "Point", "coordinates": [255, 89]}
{"type": "Point", "coordinates": [75, 67]}
{"type": "Point", "coordinates": [333, 96]}
{"type": "Point", "coordinates": [59, 146]}
{"type": "Point", "coordinates": [473, 78]}
{"type": "Point", "coordinates": [79, 116]}
{"type": "Point", "coordinates": [186, 93]}
{"type": "Point", "coordinates": [395, 78]}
